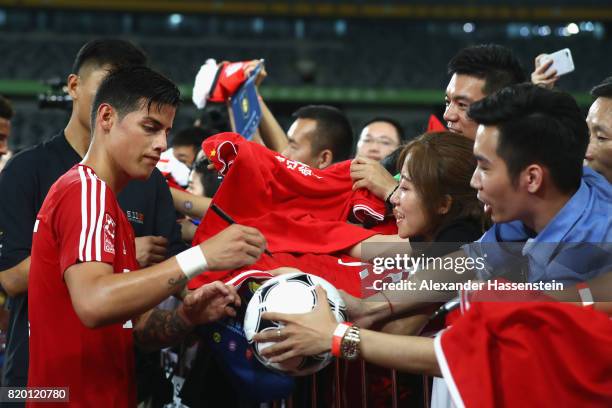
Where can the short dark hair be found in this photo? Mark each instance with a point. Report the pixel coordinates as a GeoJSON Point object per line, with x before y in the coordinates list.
{"type": "Point", "coordinates": [398, 128]}
{"type": "Point", "coordinates": [130, 88]}
{"type": "Point", "coordinates": [6, 108]}
{"type": "Point", "coordinates": [333, 131]}
{"type": "Point", "coordinates": [494, 63]}
{"type": "Point", "coordinates": [191, 136]}
{"type": "Point", "coordinates": [604, 89]}
{"type": "Point", "coordinates": [391, 163]}
{"type": "Point", "coordinates": [216, 116]}
{"type": "Point", "coordinates": [209, 178]}
{"type": "Point", "coordinates": [108, 51]}
{"type": "Point", "coordinates": [537, 125]}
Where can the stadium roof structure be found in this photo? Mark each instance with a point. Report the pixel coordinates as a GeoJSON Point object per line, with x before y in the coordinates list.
{"type": "Point", "coordinates": [553, 10]}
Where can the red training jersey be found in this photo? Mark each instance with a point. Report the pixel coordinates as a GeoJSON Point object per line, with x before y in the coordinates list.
{"type": "Point", "coordinates": [80, 221]}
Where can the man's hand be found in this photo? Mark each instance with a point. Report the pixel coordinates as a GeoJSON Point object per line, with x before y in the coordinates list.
{"type": "Point", "coordinates": [250, 66]}
{"type": "Point", "coordinates": [150, 250]}
{"type": "Point", "coordinates": [540, 76]}
{"type": "Point", "coordinates": [304, 334]}
{"type": "Point", "coordinates": [234, 247]}
{"type": "Point", "coordinates": [370, 174]}
{"type": "Point", "coordinates": [209, 303]}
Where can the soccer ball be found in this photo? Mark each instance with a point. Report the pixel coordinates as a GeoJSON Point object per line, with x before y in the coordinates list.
{"type": "Point", "coordinates": [289, 293]}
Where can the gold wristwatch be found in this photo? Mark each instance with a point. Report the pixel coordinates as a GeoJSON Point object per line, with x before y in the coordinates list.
{"type": "Point", "coordinates": [350, 343]}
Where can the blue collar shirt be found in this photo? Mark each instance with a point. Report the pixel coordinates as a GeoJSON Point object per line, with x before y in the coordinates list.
{"type": "Point", "coordinates": [576, 245]}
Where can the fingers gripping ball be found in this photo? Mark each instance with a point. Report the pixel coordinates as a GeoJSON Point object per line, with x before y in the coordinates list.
{"type": "Point", "coordinates": [289, 293]}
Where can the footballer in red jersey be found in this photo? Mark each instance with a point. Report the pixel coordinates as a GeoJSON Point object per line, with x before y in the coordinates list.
{"type": "Point", "coordinates": [81, 303]}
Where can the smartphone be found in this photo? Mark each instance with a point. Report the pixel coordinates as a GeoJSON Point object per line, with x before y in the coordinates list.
{"type": "Point", "coordinates": [562, 61]}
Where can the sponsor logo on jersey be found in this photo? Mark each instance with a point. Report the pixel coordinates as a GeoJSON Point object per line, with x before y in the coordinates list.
{"type": "Point", "coordinates": [109, 234]}
{"type": "Point", "coordinates": [135, 217]}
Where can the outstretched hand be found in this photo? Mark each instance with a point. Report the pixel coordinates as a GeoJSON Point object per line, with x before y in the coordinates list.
{"type": "Point", "coordinates": [250, 66]}
{"type": "Point", "coordinates": [304, 334]}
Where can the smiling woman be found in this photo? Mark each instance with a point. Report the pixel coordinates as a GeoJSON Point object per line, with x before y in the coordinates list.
{"type": "Point", "coordinates": [434, 201]}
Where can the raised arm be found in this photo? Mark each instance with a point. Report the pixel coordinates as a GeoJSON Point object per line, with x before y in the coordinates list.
{"type": "Point", "coordinates": [270, 131]}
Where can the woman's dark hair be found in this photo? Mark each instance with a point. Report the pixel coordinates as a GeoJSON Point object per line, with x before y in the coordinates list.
{"type": "Point", "coordinates": [209, 178]}
{"type": "Point", "coordinates": [440, 166]}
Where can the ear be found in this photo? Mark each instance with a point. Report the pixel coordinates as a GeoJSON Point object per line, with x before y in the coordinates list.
{"type": "Point", "coordinates": [532, 178]}
{"type": "Point", "coordinates": [445, 205]}
{"type": "Point", "coordinates": [105, 117]}
{"type": "Point", "coordinates": [72, 83]}
{"type": "Point", "coordinates": [325, 158]}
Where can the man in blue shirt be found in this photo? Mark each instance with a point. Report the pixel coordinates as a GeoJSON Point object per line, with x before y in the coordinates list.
{"type": "Point", "coordinates": [529, 147]}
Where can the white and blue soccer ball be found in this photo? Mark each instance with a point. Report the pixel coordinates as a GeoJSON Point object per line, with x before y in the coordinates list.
{"type": "Point", "coordinates": [290, 293]}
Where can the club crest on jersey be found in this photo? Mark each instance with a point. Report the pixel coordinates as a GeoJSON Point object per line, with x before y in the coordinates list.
{"type": "Point", "coordinates": [109, 234]}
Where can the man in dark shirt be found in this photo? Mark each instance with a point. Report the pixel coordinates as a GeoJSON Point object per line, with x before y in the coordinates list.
{"type": "Point", "coordinates": [28, 176]}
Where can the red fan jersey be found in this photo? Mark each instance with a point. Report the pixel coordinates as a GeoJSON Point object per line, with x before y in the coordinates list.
{"type": "Point", "coordinates": [80, 221]}
{"type": "Point", "coordinates": [298, 209]}
{"type": "Point", "coordinates": [531, 353]}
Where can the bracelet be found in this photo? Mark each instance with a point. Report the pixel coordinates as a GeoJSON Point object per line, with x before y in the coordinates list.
{"type": "Point", "coordinates": [192, 262]}
{"type": "Point", "coordinates": [585, 294]}
{"type": "Point", "coordinates": [337, 339]}
{"type": "Point", "coordinates": [388, 302]}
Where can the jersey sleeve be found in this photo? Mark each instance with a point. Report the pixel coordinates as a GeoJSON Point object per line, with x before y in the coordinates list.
{"type": "Point", "coordinates": [84, 222]}
{"type": "Point", "coordinates": [18, 208]}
